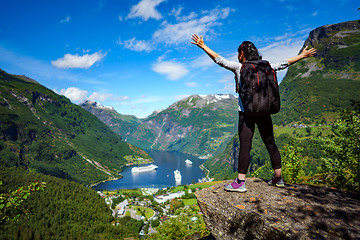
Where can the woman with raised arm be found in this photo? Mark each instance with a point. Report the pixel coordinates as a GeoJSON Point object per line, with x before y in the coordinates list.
{"type": "Point", "coordinates": [246, 126]}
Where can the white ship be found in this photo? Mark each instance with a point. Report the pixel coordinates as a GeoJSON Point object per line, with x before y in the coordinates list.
{"type": "Point", "coordinates": [177, 175]}
{"type": "Point", "coordinates": [188, 162]}
{"type": "Point", "coordinates": [144, 169]}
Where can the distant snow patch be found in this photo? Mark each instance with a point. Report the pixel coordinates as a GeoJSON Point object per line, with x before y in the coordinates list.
{"type": "Point", "coordinates": [222, 96]}
{"type": "Point", "coordinates": [98, 105]}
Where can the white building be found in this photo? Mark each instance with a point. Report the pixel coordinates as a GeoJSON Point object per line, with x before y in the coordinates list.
{"type": "Point", "coordinates": [121, 207]}
{"type": "Point", "coordinates": [101, 194]}
{"type": "Point", "coordinates": [149, 191]}
{"type": "Point", "coordinates": [170, 196]}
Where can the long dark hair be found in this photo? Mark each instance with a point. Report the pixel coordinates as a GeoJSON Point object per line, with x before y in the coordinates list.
{"type": "Point", "coordinates": [250, 51]}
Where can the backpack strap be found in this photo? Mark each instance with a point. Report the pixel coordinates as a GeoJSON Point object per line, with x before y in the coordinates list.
{"type": "Point", "coordinates": [257, 72]}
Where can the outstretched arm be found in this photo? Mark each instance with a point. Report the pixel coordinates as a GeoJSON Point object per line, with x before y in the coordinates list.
{"type": "Point", "coordinates": [304, 54]}
{"type": "Point", "coordinates": [199, 41]}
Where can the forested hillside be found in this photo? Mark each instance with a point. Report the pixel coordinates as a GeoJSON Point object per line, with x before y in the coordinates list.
{"type": "Point", "coordinates": [64, 210]}
{"type": "Point", "coordinates": [46, 133]}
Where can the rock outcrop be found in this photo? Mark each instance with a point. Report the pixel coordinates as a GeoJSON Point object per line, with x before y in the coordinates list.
{"type": "Point", "coordinates": [293, 212]}
{"type": "Point", "coordinates": [331, 35]}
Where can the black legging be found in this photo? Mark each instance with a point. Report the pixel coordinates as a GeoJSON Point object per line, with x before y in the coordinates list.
{"type": "Point", "coordinates": [246, 132]}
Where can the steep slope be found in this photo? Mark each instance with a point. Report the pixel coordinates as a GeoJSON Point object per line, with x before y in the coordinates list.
{"type": "Point", "coordinates": [315, 88]}
{"type": "Point", "coordinates": [46, 133]}
{"type": "Point", "coordinates": [198, 125]}
{"type": "Point", "coordinates": [117, 122]}
{"type": "Point", "coordinates": [64, 210]}
{"type": "Point", "coordinates": [313, 92]}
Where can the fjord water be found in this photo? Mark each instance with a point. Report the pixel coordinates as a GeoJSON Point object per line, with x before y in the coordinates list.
{"type": "Point", "coordinates": [162, 177]}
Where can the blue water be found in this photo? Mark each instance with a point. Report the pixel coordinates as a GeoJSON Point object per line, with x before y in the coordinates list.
{"type": "Point", "coordinates": [162, 177]}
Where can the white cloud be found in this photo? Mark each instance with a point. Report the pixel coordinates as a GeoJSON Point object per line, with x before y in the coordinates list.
{"type": "Point", "coordinates": [287, 46]}
{"type": "Point", "coordinates": [151, 99]}
{"type": "Point", "coordinates": [65, 20]}
{"type": "Point", "coordinates": [145, 9]}
{"type": "Point", "coordinates": [30, 66]}
{"type": "Point", "coordinates": [191, 84]}
{"type": "Point", "coordinates": [172, 70]}
{"type": "Point", "coordinates": [290, 35]}
{"type": "Point", "coordinates": [281, 50]}
{"type": "Point", "coordinates": [176, 12]}
{"type": "Point", "coordinates": [314, 14]}
{"type": "Point", "coordinates": [76, 61]}
{"type": "Point", "coordinates": [136, 45]}
{"type": "Point", "coordinates": [192, 15]}
{"type": "Point", "coordinates": [175, 34]}
{"type": "Point", "coordinates": [229, 82]}
{"type": "Point", "coordinates": [203, 61]}
{"type": "Point", "coordinates": [74, 94]}
{"type": "Point", "coordinates": [180, 32]}
{"type": "Point", "coordinates": [122, 98]}
{"type": "Point", "coordinates": [99, 97]}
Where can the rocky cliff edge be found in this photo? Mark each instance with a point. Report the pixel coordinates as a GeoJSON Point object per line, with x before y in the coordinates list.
{"type": "Point", "coordinates": [293, 212]}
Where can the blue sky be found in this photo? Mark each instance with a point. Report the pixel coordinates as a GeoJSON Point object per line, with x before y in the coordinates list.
{"type": "Point", "coordinates": [136, 55]}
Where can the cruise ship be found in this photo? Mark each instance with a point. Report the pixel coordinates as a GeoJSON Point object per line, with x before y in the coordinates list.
{"type": "Point", "coordinates": [144, 169]}
{"type": "Point", "coordinates": [177, 175]}
{"type": "Point", "coordinates": [188, 162]}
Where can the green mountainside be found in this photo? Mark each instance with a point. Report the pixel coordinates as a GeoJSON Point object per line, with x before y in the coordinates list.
{"type": "Point", "coordinates": [313, 92]}
{"type": "Point", "coordinates": [198, 125]}
{"type": "Point", "coordinates": [46, 133]}
{"type": "Point", "coordinates": [117, 122]}
{"type": "Point", "coordinates": [64, 210]}
{"type": "Point", "coordinates": [315, 88]}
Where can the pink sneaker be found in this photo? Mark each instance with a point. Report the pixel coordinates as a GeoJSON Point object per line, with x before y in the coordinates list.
{"type": "Point", "coordinates": [235, 186]}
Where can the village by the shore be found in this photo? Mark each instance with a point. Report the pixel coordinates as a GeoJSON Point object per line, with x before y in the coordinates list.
{"type": "Point", "coordinates": [154, 205]}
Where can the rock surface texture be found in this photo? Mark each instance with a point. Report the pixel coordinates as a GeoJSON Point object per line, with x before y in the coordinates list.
{"type": "Point", "coordinates": [267, 212]}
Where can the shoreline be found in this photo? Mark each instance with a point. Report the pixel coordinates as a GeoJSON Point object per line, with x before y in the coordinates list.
{"type": "Point", "coordinates": [127, 167]}
{"type": "Point", "coordinates": [131, 164]}
{"type": "Point", "coordinates": [120, 170]}
{"type": "Point", "coordinates": [106, 180]}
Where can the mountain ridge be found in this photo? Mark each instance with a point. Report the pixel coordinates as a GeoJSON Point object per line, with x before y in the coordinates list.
{"type": "Point", "coordinates": [188, 125]}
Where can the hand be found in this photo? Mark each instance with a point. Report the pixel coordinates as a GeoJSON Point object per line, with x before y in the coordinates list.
{"type": "Point", "coordinates": [308, 52]}
{"type": "Point", "coordinates": [199, 41]}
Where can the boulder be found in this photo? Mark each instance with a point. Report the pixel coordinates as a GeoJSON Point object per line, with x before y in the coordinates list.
{"type": "Point", "coordinates": [268, 212]}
